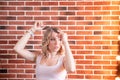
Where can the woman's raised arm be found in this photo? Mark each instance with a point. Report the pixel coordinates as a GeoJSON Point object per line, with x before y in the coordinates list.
{"type": "Point", "coordinates": [20, 45]}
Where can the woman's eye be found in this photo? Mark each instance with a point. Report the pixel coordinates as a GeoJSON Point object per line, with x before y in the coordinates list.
{"type": "Point", "coordinates": [55, 39]}
{"type": "Point", "coordinates": [52, 39]}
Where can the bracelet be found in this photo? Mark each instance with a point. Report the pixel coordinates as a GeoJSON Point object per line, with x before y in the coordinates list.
{"type": "Point", "coordinates": [31, 32]}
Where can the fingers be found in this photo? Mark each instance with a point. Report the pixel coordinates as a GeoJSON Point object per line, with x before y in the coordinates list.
{"type": "Point", "coordinates": [63, 35]}
{"type": "Point", "coordinates": [38, 25]}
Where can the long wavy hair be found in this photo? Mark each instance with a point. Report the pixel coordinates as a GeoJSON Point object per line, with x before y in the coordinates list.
{"type": "Point", "coordinates": [46, 39]}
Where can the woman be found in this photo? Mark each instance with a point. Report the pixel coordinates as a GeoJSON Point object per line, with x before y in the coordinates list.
{"type": "Point", "coordinates": [55, 59]}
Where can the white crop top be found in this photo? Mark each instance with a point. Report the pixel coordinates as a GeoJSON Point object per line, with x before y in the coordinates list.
{"type": "Point", "coordinates": [55, 72]}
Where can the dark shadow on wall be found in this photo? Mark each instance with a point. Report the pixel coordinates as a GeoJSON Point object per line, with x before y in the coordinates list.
{"type": "Point", "coordinates": [118, 66]}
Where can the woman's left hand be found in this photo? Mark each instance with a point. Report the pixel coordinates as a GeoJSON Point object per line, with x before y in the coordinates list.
{"type": "Point", "coordinates": [64, 37]}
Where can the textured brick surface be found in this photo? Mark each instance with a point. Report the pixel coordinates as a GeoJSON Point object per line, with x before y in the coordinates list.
{"type": "Point", "coordinates": [92, 27]}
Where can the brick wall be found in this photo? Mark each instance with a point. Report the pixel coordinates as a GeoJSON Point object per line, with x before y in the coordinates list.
{"type": "Point", "coordinates": [92, 27]}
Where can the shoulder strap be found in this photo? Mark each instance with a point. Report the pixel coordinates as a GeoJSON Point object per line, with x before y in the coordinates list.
{"type": "Point", "coordinates": [38, 59]}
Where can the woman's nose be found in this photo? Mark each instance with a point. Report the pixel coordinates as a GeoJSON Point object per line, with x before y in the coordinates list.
{"type": "Point", "coordinates": [57, 41]}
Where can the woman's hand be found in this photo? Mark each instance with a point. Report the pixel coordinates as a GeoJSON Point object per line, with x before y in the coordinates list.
{"type": "Point", "coordinates": [37, 26]}
{"type": "Point", "coordinates": [64, 37]}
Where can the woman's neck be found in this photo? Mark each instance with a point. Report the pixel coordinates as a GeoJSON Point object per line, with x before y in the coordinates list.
{"type": "Point", "coordinates": [52, 54]}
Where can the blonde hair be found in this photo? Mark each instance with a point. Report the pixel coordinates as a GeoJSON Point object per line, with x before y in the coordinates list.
{"type": "Point", "coordinates": [46, 38]}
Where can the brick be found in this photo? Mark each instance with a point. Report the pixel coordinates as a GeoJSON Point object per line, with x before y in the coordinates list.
{"type": "Point", "coordinates": [76, 76]}
{"type": "Point", "coordinates": [75, 27]}
{"type": "Point", "coordinates": [50, 13]}
{"type": "Point", "coordinates": [24, 76]}
{"type": "Point", "coordinates": [84, 72]}
{"type": "Point", "coordinates": [7, 8]}
{"type": "Point", "coordinates": [85, 13]}
{"type": "Point", "coordinates": [76, 37]}
{"type": "Point", "coordinates": [3, 23]}
{"type": "Point", "coordinates": [6, 47]}
{"type": "Point", "coordinates": [16, 61]}
{"type": "Point", "coordinates": [8, 66]}
{"type": "Point", "coordinates": [59, 18]}
{"type": "Point", "coordinates": [16, 13]}
{"type": "Point", "coordinates": [84, 52]}
{"type": "Point", "coordinates": [16, 32]}
{"type": "Point", "coordinates": [3, 51]}
{"type": "Point", "coordinates": [115, 12]}
{"type": "Point", "coordinates": [67, 3]}
{"type": "Point", "coordinates": [92, 77]}
{"type": "Point", "coordinates": [16, 3]}
{"type": "Point", "coordinates": [75, 8]}
{"type": "Point", "coordinates": [3, 42]}
{"type": "Point", "coordinates": [3, 3]}
{"type": "Point", "coordinates": [16, 71]}
{"type": "Point", "coordinates": [32, 3]}
{"type": "Point", "coordinates": [102, 72]}
{"type": "Point", "coordinates": [101, 22]}
{"type": "Point", "coordinates": [70, 32]}
{"type": "Point", "coordinates": [3, 13]}
{"type": "Point", "coordinates": [111, 17]}
{"type": "Point", "coordinates": [110, 8]}
{"type": "Point", "coordinates": [84, 23]}
{"type": "Point", "coordinates": [42, 18]}
{"type": "Point", "coordinates": [84, 32]}
{"type": "Point", "coordinates": [24, 66]}
{"type": "Point", "coordinates": [49, 3]}
{"type": "Point", "coordinates": [76, 47]}
{"type": "Point", "coordinates": [102, 13]}
{"type": "Point", "coordinates": [16, 22]}
{"type": "Point", "coordinates": [93, 8]}
{"type": "Point", "coordinates": [7, 56]}
{"type": "Point", "coordinates": [33, 13]}
{"type": "Point", "coordinates": [84, 3]}
{"type": "Point", "coordinates": [25, 8]}
{"type": "Point", "coordinates": [58, 8]}
{"type": "Point", "coordinates": [92, 37]}
{"type": "Point", "coordinates": [110, 77]}
{"type": "Point", "coordinates": [115, 22]}
{"type": "Point", "coordinates": [76, 18]}
{"type": "Point", "coordinates": [93, 27]}
{"type": "Point", "coordinates": [102, 52]}
{"type": "Point", "coordinates": [109, 37]}
{"type": "Point", "coordinates": [102, 3]}
{"type": "Point", "coordinates": [115, 2]}
{"type": "Point", "coordinates": [7, 75]}
{"type": "Point", "coordinates": [7, 37]}
{"type": "Point", "coordinates": [24, 18]}
{"type": "Point", "coordinates": [30, 71]}
{"type": "Point", "coordinates": [67, 23]}
{"type": "Point", "coordinates": [93, 47]}
{"type": "Point", "coordinates": [103, 42]}
{"type": "Point", "coordinates": [97, 33]}
{"type": "Point", "coordinates": [84, 62]}
{"type": "Point", "coordinates": [93, 67]}
{"type": "Point", "coordinates": [93, 18]}
{"type": "Point", "coordinates": [83, 42]}
{"type": "Point", "coordinates": [7, 18]}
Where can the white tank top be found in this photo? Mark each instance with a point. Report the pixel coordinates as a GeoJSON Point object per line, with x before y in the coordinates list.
{"type": "Point", "coordinates": [55, 72]}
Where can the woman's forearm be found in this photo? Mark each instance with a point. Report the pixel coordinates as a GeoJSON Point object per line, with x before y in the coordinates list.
{"type": "Point", "coordinates": [69, 59]}
{"type": "Point", "coordinates": [20, 45]}
{"type": "Point", "coordinates": [22, 42]}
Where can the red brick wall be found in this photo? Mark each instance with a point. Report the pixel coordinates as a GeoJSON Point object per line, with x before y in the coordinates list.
{"type": "Point", "coordinates": [92, 27]}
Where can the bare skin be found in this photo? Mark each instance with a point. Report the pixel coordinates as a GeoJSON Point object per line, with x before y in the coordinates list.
{"type": "Point", "coordinates": [54, 45]}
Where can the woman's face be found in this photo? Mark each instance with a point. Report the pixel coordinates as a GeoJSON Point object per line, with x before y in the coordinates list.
{"type": "Point", "coordinates": [55, 42]}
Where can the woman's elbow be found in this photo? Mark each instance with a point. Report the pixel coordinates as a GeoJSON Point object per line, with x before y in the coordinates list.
{"type": "Point", "coordinates": [16, 49]}
{"type": "Point", "coordinates": [71, 70]}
